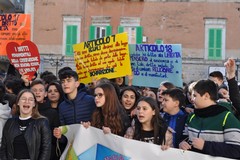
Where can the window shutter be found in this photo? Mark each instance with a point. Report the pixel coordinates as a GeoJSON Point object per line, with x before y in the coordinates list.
{"type": "Point", "coordinates": [139, 34]}
{"type": "Point", "coordinates": [211, 43]}
{"type": "Point", "coordinates": [71, 38]}
{"type": "Point", "coordinates": [109, 30]}
{"type": "Point", "coordinates": [159, 41]}
{"type": "Point", "coordinates": [215, 44]}
{"type": "Point", "coordinates": [120, 29]}
{"type": "Point", "coordinates": [91, 32]}
{"type": "Point", "coordinates": [218, 43]}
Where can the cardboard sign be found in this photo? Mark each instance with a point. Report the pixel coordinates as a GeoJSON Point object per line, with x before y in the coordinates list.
{"type": "Point", "coordinates": [105, 57]}
{"type": "Point", "coordinates": [14, 28]}
{"type": "Point", "coordinates": [25, 57]}
{"type": "Point", "coordinates": [151, 64]}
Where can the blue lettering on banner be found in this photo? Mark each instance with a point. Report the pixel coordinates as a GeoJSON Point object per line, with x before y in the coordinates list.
{"type": "Point", "coordinates": [153, 63]}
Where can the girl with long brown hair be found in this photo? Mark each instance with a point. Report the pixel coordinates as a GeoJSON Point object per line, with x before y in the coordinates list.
{"type": "Point", "coordinates": [109, 114]}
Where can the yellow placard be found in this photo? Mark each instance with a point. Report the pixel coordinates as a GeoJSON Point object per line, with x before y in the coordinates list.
{"type": "Point", "coordinates": [105, 57]}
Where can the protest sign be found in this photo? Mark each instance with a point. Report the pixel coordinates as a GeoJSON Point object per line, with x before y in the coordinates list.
{"type": "Point", "coordinates": [105, 57]}
{"type": "Point", "coordinates": [25, 57]}
{"type": "Point", "coordinates": [151, 64]}
{"type": "Point", "coordinates": [14, 28]}
{"type": "Point", "coordinates": [93, 144]}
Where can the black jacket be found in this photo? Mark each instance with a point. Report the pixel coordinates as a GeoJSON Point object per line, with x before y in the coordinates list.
{"type": "Point", "coordinates": [53, 118]}
{"type": "Point", "coordinates": [234, 95]}
{"type": "Point", "coordinates": [37, 136]}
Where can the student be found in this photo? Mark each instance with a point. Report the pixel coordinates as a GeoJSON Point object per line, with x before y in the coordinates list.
{"type": "Point", "coordinates": [27, 136]}
{"type": "Point", "coordinates": [109, 114]}
{"type": "Point", "coordinates": [77, 106]}
{"type": "Point", "coordinates": [162, 87]}
{"type": "Point", "coordinates": [55, 94]}
{"type": "Point", "coordinates": [217, 77]}
{"type": "Point", "coordinates": [212, 129]}
{"type": "Point", "coordinates": [173, 100]}
{"type": "Point", "coordinates": [150, 126]}
{"type": "Point", "coordinates": [189, 100]}
{"type": "Point", "coordinates": [151, 94]}
{"type": "Point", "coordinates": [38, 88]}
{"type": "Point", "coordinates": [128, 98]}
{"type": "Point", "coordinates": [234, 93]}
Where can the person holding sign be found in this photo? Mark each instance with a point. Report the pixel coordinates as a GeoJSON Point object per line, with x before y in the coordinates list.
{"type": "Point", "coordinates": [28, 135]}
{"type": "Point", "coordinates": [77, 106]}
{"type": "Point", "coordinates": [150, 126]}
{"type": "Point", "coordinates": [212, 128]}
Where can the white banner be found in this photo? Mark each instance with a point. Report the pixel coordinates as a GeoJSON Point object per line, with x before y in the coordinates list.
{"type": "Point", "coordinates": [93, 144]}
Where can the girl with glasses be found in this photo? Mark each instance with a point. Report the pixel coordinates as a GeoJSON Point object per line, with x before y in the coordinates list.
{"type": "Point", "coordinates": [28, 135]}
{"type": "Point", "coordinates": [109, 114]}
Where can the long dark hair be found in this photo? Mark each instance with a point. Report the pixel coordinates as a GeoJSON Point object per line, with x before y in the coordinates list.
{"type": "Point", "coordinates": [109, 115]}
{"type": "Point", "coordinates": [59, 88]}
{"type": "Point", "coordinates": [130, 88]}
{"type": "Point", "coordinates": [158, 123]}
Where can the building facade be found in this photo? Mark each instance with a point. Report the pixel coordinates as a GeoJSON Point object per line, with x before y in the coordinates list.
{"type": "Point", "coordinates": [208, 30]}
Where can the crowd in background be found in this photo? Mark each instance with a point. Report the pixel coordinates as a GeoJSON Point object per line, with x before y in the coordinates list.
{"type": "Point", "coordinates": [202, 116]}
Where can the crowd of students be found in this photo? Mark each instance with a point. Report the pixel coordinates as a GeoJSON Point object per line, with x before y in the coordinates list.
{"type": "Point", "coordinates": [202, 117]}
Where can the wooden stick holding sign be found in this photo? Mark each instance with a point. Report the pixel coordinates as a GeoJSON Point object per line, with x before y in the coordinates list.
{"type": "Point", "coordinates": [25, 57]}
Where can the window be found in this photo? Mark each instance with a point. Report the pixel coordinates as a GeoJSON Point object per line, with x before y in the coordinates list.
{"type": "Point", "coordinates": [100, 27]}
{"type": "Point", "coordinates": [71, 33]}
{"type": "Point", "coordinates": [131, 25]}
{"type": "Point", "coordinates": [215, 39]}
{"type": "Point", "coordinates": [159, 41]}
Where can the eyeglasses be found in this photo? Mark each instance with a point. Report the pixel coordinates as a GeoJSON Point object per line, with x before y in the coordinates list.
{"type": "Point", "coordinates": [98, 95]}
{"type": "Point", "coordinates": [30, 100]}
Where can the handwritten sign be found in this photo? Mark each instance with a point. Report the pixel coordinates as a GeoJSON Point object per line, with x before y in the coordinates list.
{"type": "Point", "coordinates": [25, 57]}
{"type": "Point", "coordinates": [14, 28]}
{"type": "Point", "coordinates": [152, 64]}
{"type": "Point", "coordinates": [105, 57]}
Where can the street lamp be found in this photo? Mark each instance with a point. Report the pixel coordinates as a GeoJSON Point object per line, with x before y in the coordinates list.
{"type": "Point", "coordinates": [56, 62]}
{"type": "Point", "coordinates": [237, 62]}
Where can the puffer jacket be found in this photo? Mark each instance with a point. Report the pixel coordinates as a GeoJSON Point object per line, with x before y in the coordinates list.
{"type": "Point", "coordinates": [77, 110]}
{"type": "Point", "coordinates": [37, 136]}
